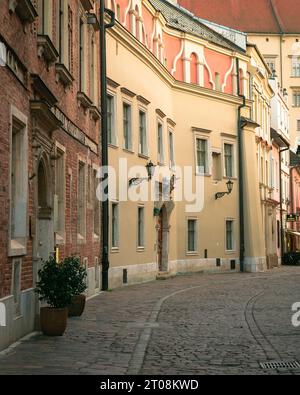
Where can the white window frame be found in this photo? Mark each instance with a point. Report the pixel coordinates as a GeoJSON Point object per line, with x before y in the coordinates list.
{"type": "Point", "coordinates": [160, 155]}
{"type": "Point", "coordinates": [95, 169]}
{"type": "Point", "coordinates": [233, 250]}
{"type": "Point", "coordinates": [16, 292]}
{"type": "Point", "coordinates": [114, 140]}
{"type": "Point", "coordinates": [18, 246]}
{"type": "Point", "coordinates": [128, 103]}
{"type": "Point", "coordinates": [115, 247]}
{"type": "Point", "coordinates": [60, 233]}
{"type": "Point", "coordinates": [172, 161]}
{"type": "Point", "coordinates": [196, 252]}
{"type": "Point", "coordinates": [139, 246]}
{"type": "Point", "coordinates": [81, 238]}
{"type": "Point", "coordinates": [146, 153]}
{"type": "Point", "coordinates": [208, 156]}
{"type": "Point", "coordinates": [234, 158]}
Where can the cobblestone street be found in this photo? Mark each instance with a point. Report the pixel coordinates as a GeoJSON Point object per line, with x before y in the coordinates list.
{"type": "Point", "coordinates": [193, 324]}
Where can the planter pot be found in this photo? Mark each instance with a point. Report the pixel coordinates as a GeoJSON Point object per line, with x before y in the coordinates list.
{"type": "Point", "coordinates": [53, 321]}
{"type": "Point", "coordinates": [77, 306]}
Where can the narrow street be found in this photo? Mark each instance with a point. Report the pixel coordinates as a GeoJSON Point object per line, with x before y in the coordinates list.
{"type": "Point", "coordinates": [193, 324]}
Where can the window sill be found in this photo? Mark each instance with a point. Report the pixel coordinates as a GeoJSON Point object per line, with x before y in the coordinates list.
{"type": "Point", "coordinates": [195, 253]}
{"type": "Point", "coordinates": [140, 249]}
{"type": "Point", "coordinates": [46, 48]}
{"type": "Point", "coordinates": [114, 146]}
{"type": "Point", "coordinates": [59, 239]}
{"type": "Point", "coordinates": [96, 238]}
{"type": "Point", "coordinates": [17, 249]}
{"type": "Point", "coordinates": [84, 100]}
{"type": "Point", "coordinates": [143, 156]}
{"type": "Point", "coordinates": [114, 250]}
{"type": "Point", "coordinates": [203, 174]}
{"type": "Point", "coordinates": [95, 113]}
{"type": "Point", "coordinates": [63, 75]}
{"type": "Point", "coordinates": [80, 239]}
{"type": "Point", "coordinates": [129, 151]}
{"type": "Point", "coordinates": [229, 252]}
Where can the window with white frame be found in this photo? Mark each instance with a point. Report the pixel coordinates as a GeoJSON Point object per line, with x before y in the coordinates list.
{"type": "Point", "coordinates": [127, 116]}
{"type": "Point", "coordinates": [191, 235]}
{"type": "Point", "coordinates": [229, 235]}
{"type": "Point", "coordinates": [115, 225]}
{"type": "Point", "coordinates": [296, 66]}
{"type": "Point", "coordinates": [141, 227]}
{"type": "Point", "coordinates": [59, 197]}
{"type": "Point", "coordinates": [171, 149]}
{"type": "Point", "coordinates": [202, 155]}
{"type": "Point", "coordinates": [298, 125]}
{"type": "Point", "coordinates": [143, 149]}
{"type": "Point", "coordinates": [160, 143]}
{"type": "Point", "coordinates": [96, 204]}
{"type": "Point", "coordinates": [18, 185]}
{"type": "Point", "coordinates": [111, 120]}
{"type": "Point", "coordinates": [45, 9]}
{"type": "Point", "coordinates": [81, 220]}
{"type": "Point", "coordinates": [296, 99]}
{"type": "Point", "coordinates": [16, 285]}
{"type": "Point", "coordinates": [271, 63]}
{"type": "Point", "coordinates": [229, 160]}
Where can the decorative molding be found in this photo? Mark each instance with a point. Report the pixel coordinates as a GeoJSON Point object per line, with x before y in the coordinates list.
{"type": "Point", "coordinates": [84, 100]}
{"type": "Point", "coordinates": [63, 75]}
{"type": "Point", "coordinates": [171, 122]}
{"type": "Point", "coordinates": [143, 100]}
{"type": "Point", "coordinates": [127, 92]}
{"type": "Point", "coordinates": [160, 113]}
{"type": "Point", "coordinates": [228, 74]}
{"type": "Point", "coordinates": [177, 57]}
{"type": "Point", "coordinates": [46, 48]}
{"type": "Point", "coordinates": [200, 130]}
{"type": "Point", "coordinates": [112, 83]}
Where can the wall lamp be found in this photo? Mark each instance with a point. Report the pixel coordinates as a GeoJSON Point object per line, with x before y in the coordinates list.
{"type": "Point", "coordinates": [150, 167]}
{"type": "Point", "coordinates": [229, 184]}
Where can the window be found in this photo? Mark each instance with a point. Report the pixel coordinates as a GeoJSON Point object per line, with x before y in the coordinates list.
{"type": "Point", "coordinates": [70, 38]}
{"type": "Point", "coordinates": [44, 8]}
{"type": "Point", "coordinates": [171, 148]}
{"type": "Point", "coordinates": [217, 166]}
{"type": "Point", "coordinates": [96, 205]}
{"type": "Point", "coordinates": [296, 67]}
{"type": "Point", "coordinates": [278, 234]}
{"type": "Point", "coordinates": [115, 226]}
{"type": "Point", "coordinates": [143, 133]}
{"type": "Point", "coordinates": [81, 56]}
{"type": "Point", "coordinates": [16, 285]}
{"type": "Point", "coordinates": [202, 156]}
{"type": "Point", "coordinates": [127, 126]}
{"type": "Point", "coordinates": [61, 27]}
{"type": "Point", "coordinates": [228, 156]}
{"type": "Point", "coordinates": [59, 198]}
{"type": "Point", "coordinates": [18, 186]}
{"type": "Point", "coordinates": [296, 99]}
{"type": "Point", "coordinates": [111, 120]}
{"type": "Point", "coordinates": [141, 242]}
{"type": "Point", "coordinates": [271, 64]}
{"type": "Point", "coordinates": [192, 234]}
{"type": "Point", "coordinates": [229, 235]}
{"type": "Point", "coordinates": [298, 125]}
{"type": "Point", "coordinates": [81, 200]}
{"type": "Point", "coordinates": [160, 144]}
{"type": "Point", "coordinates": [92, 69]}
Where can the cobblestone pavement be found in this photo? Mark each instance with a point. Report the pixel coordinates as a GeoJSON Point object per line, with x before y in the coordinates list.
{"type": "Point", "coordinates": [193, 324]}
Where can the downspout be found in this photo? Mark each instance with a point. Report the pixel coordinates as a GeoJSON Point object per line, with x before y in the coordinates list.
{"type": "Point", "coordinates": [104, 140]}
{"type": "Point", "coordinates": [241, 170]}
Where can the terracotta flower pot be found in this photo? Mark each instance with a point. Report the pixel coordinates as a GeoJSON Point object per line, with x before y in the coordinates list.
{"type": "Point", "coordinates": [77, 306]}
{"type": "Point", "coordinates": [53, 321]}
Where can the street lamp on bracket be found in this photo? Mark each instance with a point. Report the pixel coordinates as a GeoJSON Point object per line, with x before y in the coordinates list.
{"type": "Point", "coordinates": [229, 184]}
{"type": "Point", "coordinates": [150, 167]}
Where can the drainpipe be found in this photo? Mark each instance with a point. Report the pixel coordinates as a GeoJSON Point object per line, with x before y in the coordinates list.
{"type": "Point", "coordinates": [104, 139]}
{"type": "Point", "coordinates": [241, 170]}
{"type": "Point", "coordinates": [281, 208]}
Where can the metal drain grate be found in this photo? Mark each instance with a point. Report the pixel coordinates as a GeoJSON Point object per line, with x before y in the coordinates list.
{"type": "Point", "coordinates": [280, 365]}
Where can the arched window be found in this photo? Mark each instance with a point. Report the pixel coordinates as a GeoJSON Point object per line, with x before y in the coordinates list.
{"type": "Point", "coordinates": [194, 68]}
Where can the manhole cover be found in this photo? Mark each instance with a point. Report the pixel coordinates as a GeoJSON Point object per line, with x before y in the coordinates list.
{"type": "Point", "coordinates": [280, 365]}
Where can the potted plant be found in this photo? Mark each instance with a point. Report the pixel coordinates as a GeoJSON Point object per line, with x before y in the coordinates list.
{"type": "Point", "coordinates": [54, 288]}
{"type": "Point", "coordinates": [77, 282]}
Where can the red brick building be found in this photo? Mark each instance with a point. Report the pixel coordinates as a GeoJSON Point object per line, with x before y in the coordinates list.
{"type": "Point", "coordinates": [49, 148]}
